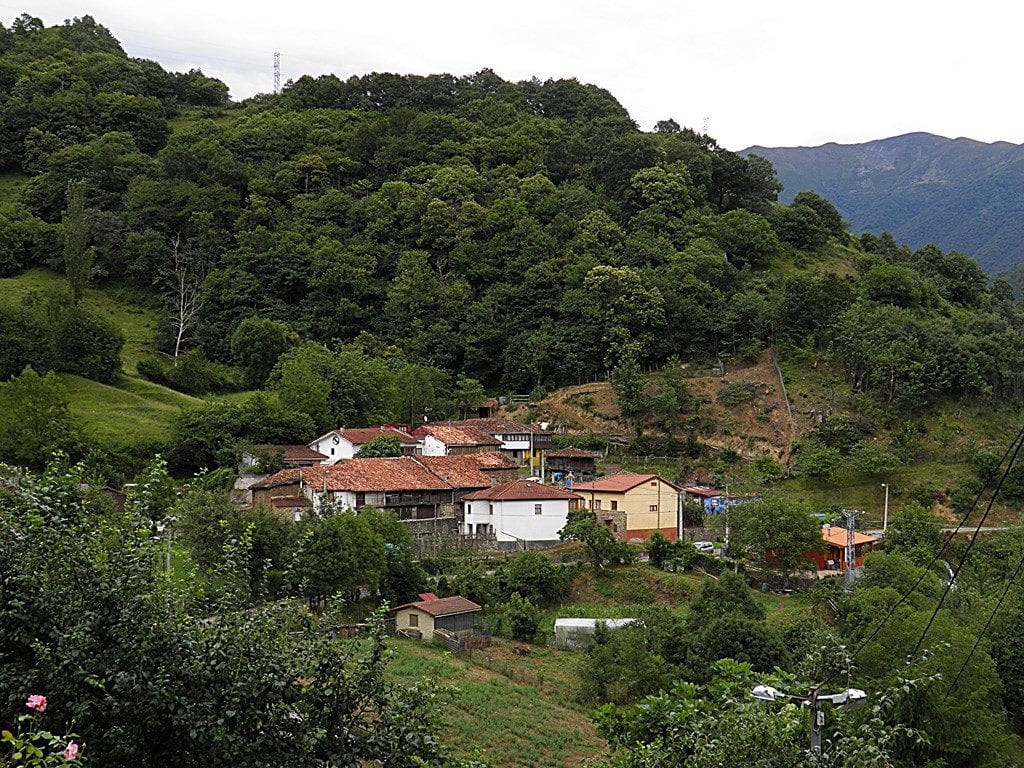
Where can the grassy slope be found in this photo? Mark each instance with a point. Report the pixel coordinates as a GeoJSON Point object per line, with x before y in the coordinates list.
{"type": "Point", "coordinates": [132, 412]}
{"type": "Point", "coordinates": [511, 710]}
{"type": "Point", "coordinates": [506, 710]}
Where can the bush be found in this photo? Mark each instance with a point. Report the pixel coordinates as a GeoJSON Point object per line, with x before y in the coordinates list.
{"type": "Point", "coordinates": [87, 344]}
{"type": "Point", "coordinates": [734, 393]}
{"type": "Point", "coordinates": [25, 340]}
{"type": "Point", "coordinates": [536, 578]}
{"type": "Point", "coordinates": [523, 618]}
{"type": "Point", "coordinates": [191, 373]}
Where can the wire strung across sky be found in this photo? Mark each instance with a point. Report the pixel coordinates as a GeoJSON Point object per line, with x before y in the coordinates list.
{"type": "Point", "coordinates": [1013, 448]}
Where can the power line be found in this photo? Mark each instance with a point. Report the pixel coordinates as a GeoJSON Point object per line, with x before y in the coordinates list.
{"type": "Point", "coordinates": [942, 549]}
{"type": "Point", "coordinates": [970, 545]}
{"type": "Point", "coordinates": [991, 616]}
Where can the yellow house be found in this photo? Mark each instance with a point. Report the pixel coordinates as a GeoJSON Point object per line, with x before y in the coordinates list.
{"type": "Point", "coordinates": [634, 506]}
{"type": "Point", "coordinates": [454, 614]}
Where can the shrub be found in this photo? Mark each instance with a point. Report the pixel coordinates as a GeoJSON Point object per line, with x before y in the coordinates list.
{"type": "Point", "coordinates": [87, 344]}
{"type": "Point", "coordinates": [191, 373]}
{"type": "Point", "coordinates": [734, 393]}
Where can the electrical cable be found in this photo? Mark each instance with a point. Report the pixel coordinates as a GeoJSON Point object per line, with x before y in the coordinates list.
{"type": "Point", "coordinates": [942, 549]}
{"type": "Point", "coordinates": [967, 552]}
{"type": "Point", "coordinates": [991, 616]}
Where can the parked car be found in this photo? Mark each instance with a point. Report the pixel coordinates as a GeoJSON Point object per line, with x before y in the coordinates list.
{"type": "Point", "coordinates": [707, 547]}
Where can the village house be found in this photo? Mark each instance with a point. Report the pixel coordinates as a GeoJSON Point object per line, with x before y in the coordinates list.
{"type": "Point", "coordinates": [273, 457]}
{"type": "Point", "coordinates": [455, 615]}
{"type": "Point", "coordinates": [581, 464]}
{"type": "Point", "coordinates": [833, 558]}
{"type": "Point", "coordinates": [454, 438]}
{"type": "Point", "coordinates": [520, 512]}
{"type": "Point", "coordinates": [634, 505]}
{"type": "Point", "coordinates": [339, 444]}
{"type": "Point", "coordinates": [472, 472]}
{"type": "Point", "coordinates": [524, 443]}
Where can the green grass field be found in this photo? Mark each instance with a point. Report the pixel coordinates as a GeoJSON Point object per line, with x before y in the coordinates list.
{"type": "Point", "coordinates": [132, 413]}
{"type": "Point", "coordinates": [505, 709]}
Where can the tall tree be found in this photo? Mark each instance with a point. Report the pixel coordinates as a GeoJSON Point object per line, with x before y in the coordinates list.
{"type": "Point", "coordinates": [77, 254]}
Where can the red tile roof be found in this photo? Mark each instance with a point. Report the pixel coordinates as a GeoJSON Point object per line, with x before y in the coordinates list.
{"type": "Point", "coordinates": [836, 537]}
{"type": "Point", "coordinates": [574, 453]}
{"type": "Point", "coordinates": [521, 490]}
{"type": "Point", "coordinates": [468, 470]}
{"type": "Point", "coordinates": [289, 476]}
{"type": "Point", "coordinates": [363, 435]}
{"type": "Point", "coordinates": [390, 475]}
{"type": "Point", "coordinates": [704, 491]}
{"type": "Point", "coordinates": [499, 426]}
{"type": "Point", "coordinates": [289, 453]}
{"type": "Point", "coordinates": [621, 482]}
{"type": "Point", "coordinates": [445, 606]}
{"type": "Point", "coordinates": [457, 434]}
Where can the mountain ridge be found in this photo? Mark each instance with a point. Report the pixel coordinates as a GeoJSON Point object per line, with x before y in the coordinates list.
{"type": "Point", "coordinates": [962, 194]}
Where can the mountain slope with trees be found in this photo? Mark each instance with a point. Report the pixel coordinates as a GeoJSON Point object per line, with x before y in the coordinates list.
{"type": "Point", "coordinates": [960, 194]}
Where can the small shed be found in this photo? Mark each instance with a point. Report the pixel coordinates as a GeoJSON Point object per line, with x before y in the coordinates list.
{"type": "Point", "coordinates": [579, 633]}
{"type": "Point", "coordinates": [452, 614]}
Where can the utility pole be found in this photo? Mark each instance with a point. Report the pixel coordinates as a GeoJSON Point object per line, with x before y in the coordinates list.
{"type": "Point", "coordinates": [851, 698]}
{"type": "Point", "coordinates": [277, 73]}
{"type": "Point", "coordinates": [885, 513]}
{"type": "Point", "coordinates": [849, 576]}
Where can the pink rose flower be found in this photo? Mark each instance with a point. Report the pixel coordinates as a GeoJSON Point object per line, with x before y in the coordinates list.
{"type": "Point", "coordinates": [36, 702]}
{"type": "Point", "coordinates": [71, 752]}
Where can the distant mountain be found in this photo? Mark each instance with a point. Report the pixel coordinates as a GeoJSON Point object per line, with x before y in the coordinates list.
{"type": "Point", "coordinates": [961, 194]}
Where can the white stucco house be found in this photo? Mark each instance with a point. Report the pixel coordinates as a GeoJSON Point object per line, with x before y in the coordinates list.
{"type": "Point", "coordinates": [340, 444]}
{"type": "Point", "coordinates": [521, 511]}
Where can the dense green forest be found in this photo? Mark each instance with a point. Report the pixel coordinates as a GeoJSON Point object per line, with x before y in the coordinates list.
{"type": "Point", "coordinates": [391, 248]}
{"type": "Point", "coordinates": [361, 248]}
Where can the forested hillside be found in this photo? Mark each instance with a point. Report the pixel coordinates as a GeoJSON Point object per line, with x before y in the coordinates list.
{"type": "Point", "coordinates": [962, 194]}
{"type": "Point", "coordinates": [369, 249]}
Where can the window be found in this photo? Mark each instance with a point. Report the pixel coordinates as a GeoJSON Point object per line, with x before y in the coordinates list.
{"type": "Point", "coordinates": [654, 484]}
{"type": "Point", "coordinates": [538, 508]}
{"type": "Point", "coordinates": [414, 620]}
{"type": "Point", "coordinates": [654, 507]}
{"type": "Point", "coordinates": [615, 506]}
{"type": "Point", "coordinates": [332, 451]}
{"type": "Point", "coordinates": [490, 509]}
{"type": "Point", "coordinates": [597, 504]}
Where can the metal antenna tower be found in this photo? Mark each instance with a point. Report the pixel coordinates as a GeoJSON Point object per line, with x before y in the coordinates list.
{"type": "Point", "coordinates": [277, 73]}
{"type": "Point", "coordinates": [707, 124]}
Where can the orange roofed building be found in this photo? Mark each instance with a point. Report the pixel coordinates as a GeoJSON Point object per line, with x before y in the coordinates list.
{"type": "Point", "coordinates": [634, 505]}
{"type": "Point", "coordinates": [834, 556]}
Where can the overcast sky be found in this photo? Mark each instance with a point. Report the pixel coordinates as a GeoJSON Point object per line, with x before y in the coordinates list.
{"type": "Point", "coordinates": [784, 73]}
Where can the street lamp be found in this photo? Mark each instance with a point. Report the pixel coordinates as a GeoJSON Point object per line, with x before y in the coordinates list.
{"type": "Point", "coordinates": [885, 514]}
{"type": "Point", "coordinates": [851, 698]}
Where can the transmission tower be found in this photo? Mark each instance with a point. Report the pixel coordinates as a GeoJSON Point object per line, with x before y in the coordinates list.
{"type": "Point", "coordinates": [707, 124]}
{"type": "Point", "coordinates": [277, 73]}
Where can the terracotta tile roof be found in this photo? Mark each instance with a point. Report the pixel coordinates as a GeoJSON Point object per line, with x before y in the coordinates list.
{"type": "Point", "coordinates": [445, 606]}
{"type": "Point", "coordinates": [704, 491]}
{"type": "Point", "coordinates": [621, 482]}
{"type": "Point", "coordinates": [289, 452]}
{"type": "Point", "coordinates": [493, 460]}
{"type": "Point", "coordinates": [288, 476]}
{"type": "Point", "coordinates": [289, 502]}
{"type": "Point", "coordinates": [574, 453]}
{"type": "Point", "coordinates": [836, 537]}
{"type": "Point", "coordinates": [458, 434]}
{"type": "Point", "coordinates": [522, 490]}
{"type": "Point", "coordinates": [363, 435]}
{"type": "Point", "coordinates": [499, 426]}
{"type": "Point", "coordinates": [468, 470]}
{"type": "Point", "coordinates": [391, 475]}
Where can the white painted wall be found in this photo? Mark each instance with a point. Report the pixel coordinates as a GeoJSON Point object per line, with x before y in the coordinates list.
{"type": "Point", "coordinates": [517, 520]}
{"type": "Point", "coordinates": [334, 451]}
{"type": "Point", "coordinates": [434, 447]}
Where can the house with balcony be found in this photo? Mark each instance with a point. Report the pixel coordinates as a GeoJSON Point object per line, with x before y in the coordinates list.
{"type": "Point", "coordinates": [524, 443]}
{"type": "Point", "coordinates": [634, 505]}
